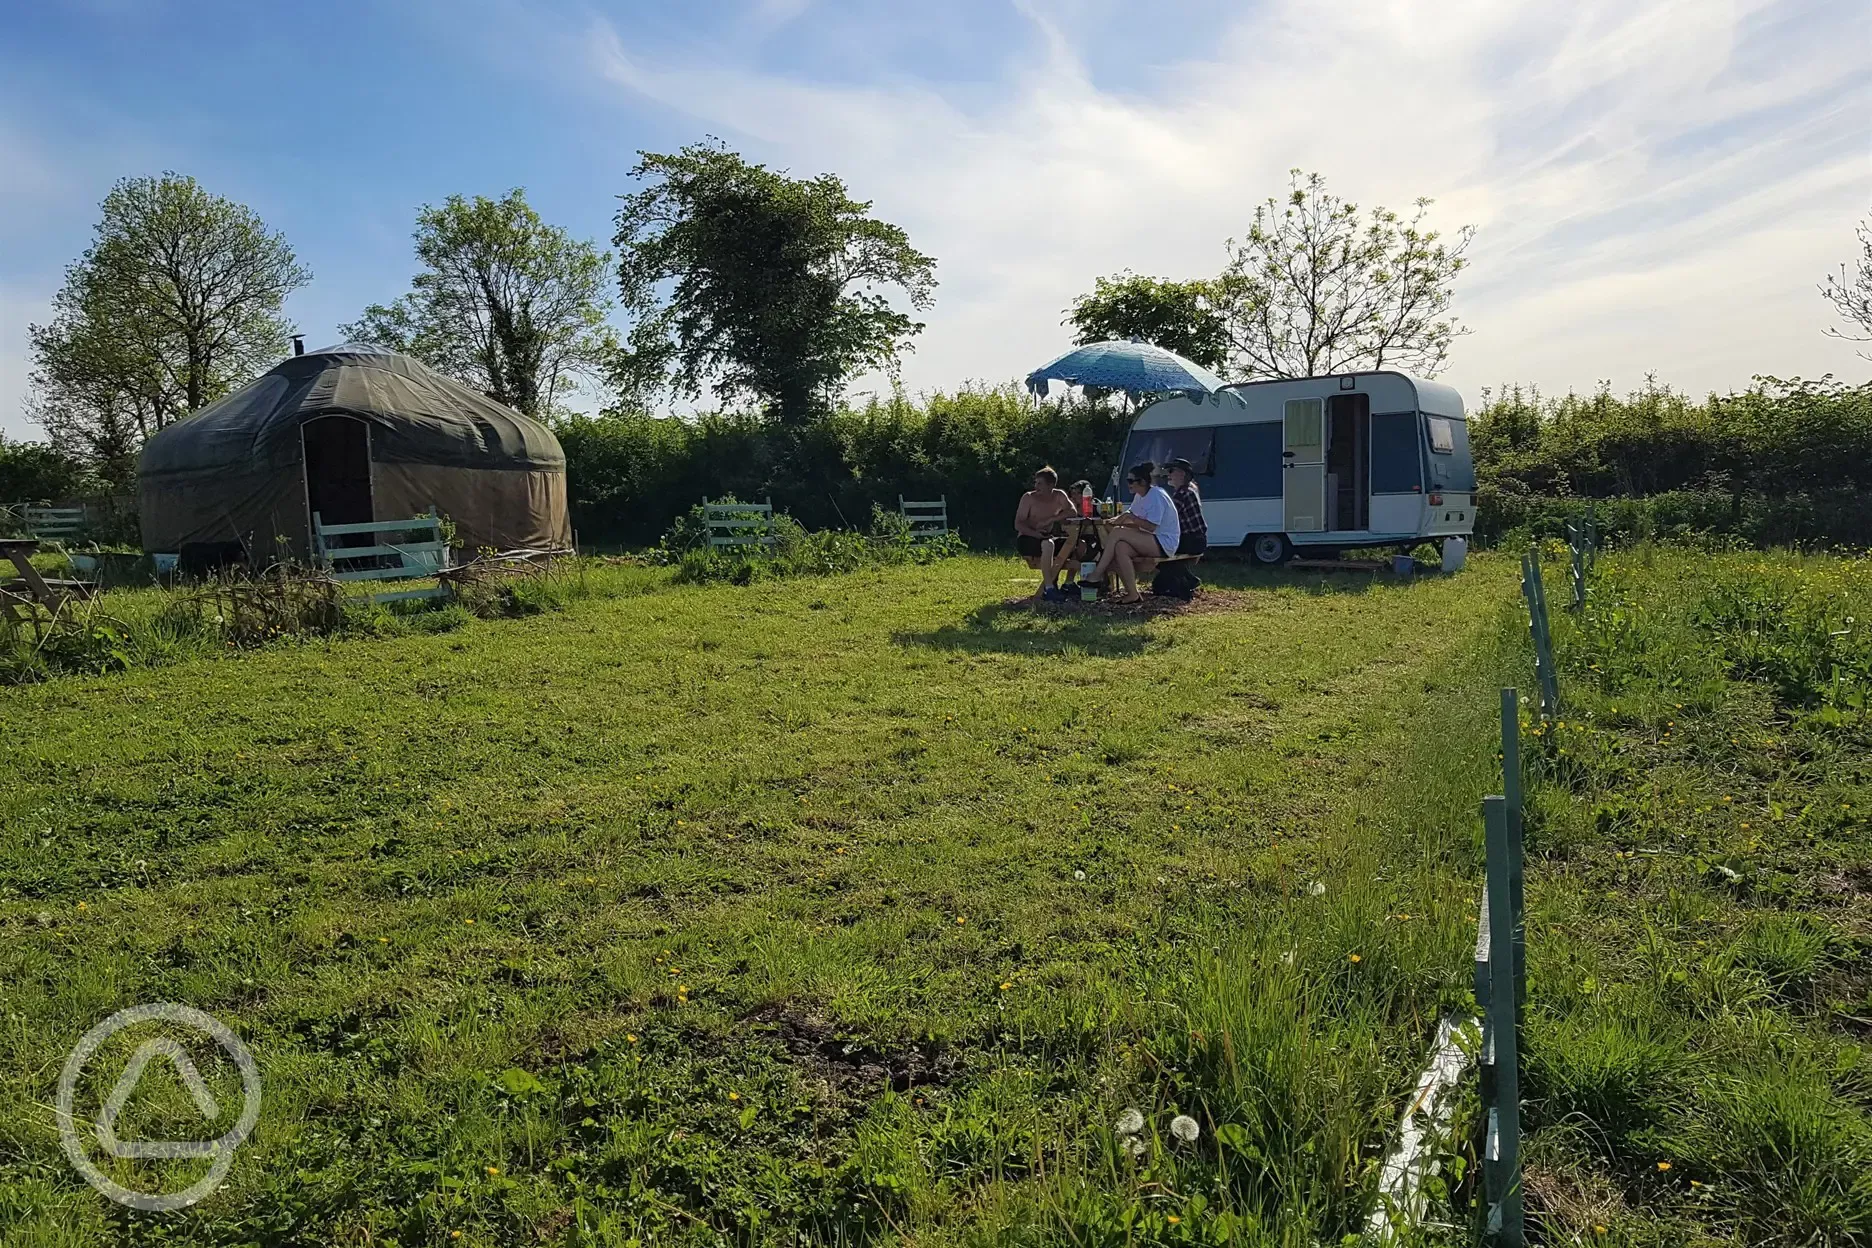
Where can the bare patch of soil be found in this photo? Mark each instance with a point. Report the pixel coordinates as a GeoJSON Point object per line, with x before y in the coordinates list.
{"type": "Point", "coordinates": [848, 1063]}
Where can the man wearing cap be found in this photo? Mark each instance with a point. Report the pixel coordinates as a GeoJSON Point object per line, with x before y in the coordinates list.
{"type": "Point", "coordinates": [1195, 537]}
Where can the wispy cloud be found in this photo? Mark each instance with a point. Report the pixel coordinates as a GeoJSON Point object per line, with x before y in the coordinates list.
{"type": "Point", "coordinates": [1658, 185]}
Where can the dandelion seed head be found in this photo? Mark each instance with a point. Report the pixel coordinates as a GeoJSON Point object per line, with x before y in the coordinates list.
{"type": "Point", "coordinates": [1185, 1128]}
{"type": "Point", "coordinates": [1130, 1122]}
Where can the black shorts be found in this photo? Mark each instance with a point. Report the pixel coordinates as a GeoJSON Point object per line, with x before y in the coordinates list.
{"type": "Point", "coordinates": [1029, 547]}
{"type": "Point", "coordinates": [1192, 544]}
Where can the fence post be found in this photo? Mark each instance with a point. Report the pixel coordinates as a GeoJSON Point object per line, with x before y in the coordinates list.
{"type": "Point", "coordinates": [1511, 795]}
{"type": "Point", "coordinates": [1536, 594]}
{"type": "Point", "coordinates": [1576, 547]}
{"type": "Point", "coordinates": [1501, 1157]}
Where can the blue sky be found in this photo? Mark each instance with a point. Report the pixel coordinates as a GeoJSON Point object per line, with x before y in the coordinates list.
{"type": "Point", "coordinates": [1659, 184]}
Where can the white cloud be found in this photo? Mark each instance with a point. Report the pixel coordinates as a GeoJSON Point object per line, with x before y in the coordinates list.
{"type": "Point", "coordinates": [1659, 185]}
{"type": "Point", "coordinates": [18, 309]}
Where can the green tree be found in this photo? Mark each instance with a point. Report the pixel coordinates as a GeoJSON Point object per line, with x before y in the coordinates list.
{"type": "Point", "coordinates": [1850, 293]}
{"type": "Point", "coordinates": [33, 472]}
{"type": "Point", "coordinates": [176, 302]}
{"type": "Point", "coordinates": [1176, 316]}
{"type": "Point", "coordinates": [505, 303]}
{"type": "Point", "coordinates": [1311, 291]}
{"type": "Point", "coordinates": [758, 284]}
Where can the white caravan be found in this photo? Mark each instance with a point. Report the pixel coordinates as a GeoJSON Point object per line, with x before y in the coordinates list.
{"type": "Point", "coordinates": [1327, 463]}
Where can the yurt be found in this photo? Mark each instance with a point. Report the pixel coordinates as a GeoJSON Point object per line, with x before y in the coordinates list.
{"type": "Point", "coordinates": [354, 434]}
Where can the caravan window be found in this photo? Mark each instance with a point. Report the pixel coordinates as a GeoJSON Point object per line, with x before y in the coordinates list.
{"type": "Point", "coordinates": [1442, 436]}
{"type": "Point", "coordinates": [1160, 446]}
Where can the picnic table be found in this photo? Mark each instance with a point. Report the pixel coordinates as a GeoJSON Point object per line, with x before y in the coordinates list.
{"type": "Point", "coordinates": [50, 594]}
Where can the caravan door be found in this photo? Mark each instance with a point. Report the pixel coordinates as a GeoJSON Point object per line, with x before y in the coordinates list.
{"type": "Point", "coordinates": [1304, 455]}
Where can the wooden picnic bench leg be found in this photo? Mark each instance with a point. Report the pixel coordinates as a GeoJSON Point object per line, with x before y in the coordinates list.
{"type": "Point", "coordinates": [43, 592]}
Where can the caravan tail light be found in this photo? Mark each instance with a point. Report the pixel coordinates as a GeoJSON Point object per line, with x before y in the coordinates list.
{"type": "Point", "coordinates": [1436, 499]}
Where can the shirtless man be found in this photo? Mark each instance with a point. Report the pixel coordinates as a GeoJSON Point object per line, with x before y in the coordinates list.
{"type": "Point", "coordinates": [1037, 533]}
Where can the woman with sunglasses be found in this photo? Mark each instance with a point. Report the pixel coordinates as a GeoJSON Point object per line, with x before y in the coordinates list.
{"type": "Point", "coordinates": [1149, 530]}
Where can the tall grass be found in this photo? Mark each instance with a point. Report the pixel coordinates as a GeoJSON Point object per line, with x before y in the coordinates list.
{"type": "Point", "coordinates": [1700, 859]}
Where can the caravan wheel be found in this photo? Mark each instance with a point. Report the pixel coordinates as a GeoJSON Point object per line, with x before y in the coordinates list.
{"type": "Point", "coordinates": [1270, 549]}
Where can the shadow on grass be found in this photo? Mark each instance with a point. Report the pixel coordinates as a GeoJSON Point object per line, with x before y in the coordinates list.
{"type": "Point", "coordinates": [1237, 573]}
{"type": "Point", "coordinates": [1005, 628]}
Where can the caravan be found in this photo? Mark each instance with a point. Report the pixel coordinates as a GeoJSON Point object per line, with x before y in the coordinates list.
{"type": "Point", "coordinates": [1320, 463]}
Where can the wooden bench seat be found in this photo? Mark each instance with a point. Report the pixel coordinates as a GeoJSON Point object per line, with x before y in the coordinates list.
{"type": "Point", "coordinates": [1148, 567]}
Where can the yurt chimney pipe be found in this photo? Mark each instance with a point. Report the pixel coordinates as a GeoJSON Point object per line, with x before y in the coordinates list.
{"type": "Point", "coordinates": [298, 344]}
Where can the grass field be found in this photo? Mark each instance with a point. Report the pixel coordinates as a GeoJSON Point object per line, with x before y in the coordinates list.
{"type": "Point", "coordinates": [861, 908]}
{"type": "Point", "coordinates": [855, 908]}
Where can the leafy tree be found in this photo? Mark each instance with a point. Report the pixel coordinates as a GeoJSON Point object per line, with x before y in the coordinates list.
{"type": "Point", "coordinates": [177, 300]}
{"type": "Point", "coordinates": [33, 472]}
{"type": "Point", "coordinates": [758, 284]}
{"type": "Point", "coordinates": [1310, 291]}
{"type": "Point", "coordinates": [505, 303]}
{"type": "Point", "coordinates": [1176, 316]}
{"type": "Point", "coordinates": [1850, 292]}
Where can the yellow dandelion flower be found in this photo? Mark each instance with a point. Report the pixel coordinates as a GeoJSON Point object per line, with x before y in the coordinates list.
{"type": "Point", "coordinates": [1355, 958]}
{"type": "Point", "coordinates": [632, 1039]}
{"type": "Point", "coordinates": [1663, 1165]}
{"type": "Point", "coordinates": [960, 920]}
{"type": "Point", "coordinates": [1173, 1219]}
{"type": "Point", "coordinates": [1005, 986]}
{"type": "Point", "coordinates": [469, 922]}
{"type": "Point", "coordinates": [493, 1171]}
{"type": "Point", "coordinates": [734, 1096]}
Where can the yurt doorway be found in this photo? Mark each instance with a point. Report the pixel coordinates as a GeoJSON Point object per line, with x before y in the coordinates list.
{"type": "Point", "coordinates": [337, 470]}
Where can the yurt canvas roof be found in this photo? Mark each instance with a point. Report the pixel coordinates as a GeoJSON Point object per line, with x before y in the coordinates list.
{"type": "Point", "coordinates": [417, 416]}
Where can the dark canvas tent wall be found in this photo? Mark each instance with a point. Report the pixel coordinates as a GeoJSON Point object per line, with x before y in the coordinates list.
{"type": "Point", "coordinates": [358, 434]}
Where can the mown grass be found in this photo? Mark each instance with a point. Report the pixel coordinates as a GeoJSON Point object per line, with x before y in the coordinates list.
{"type": "Point", "coordinates": [1699, 1049]}
{"type": "Point", "coordinates": [843, 910]}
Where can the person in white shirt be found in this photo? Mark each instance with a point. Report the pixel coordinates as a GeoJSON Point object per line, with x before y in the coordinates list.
{"type": "Point", "coordinates": [1149, 530]}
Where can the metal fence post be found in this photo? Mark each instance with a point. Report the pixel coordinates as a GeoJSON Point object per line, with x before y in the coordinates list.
{"type": "Point", "coordinates": [1538, 627]}
{"type": "Point", "coordinates": [1511, 794]}
{"type": "Point", "coordinates": [1501, 1156]}
{"type": "Point", "coordinates": [1576, 546]}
